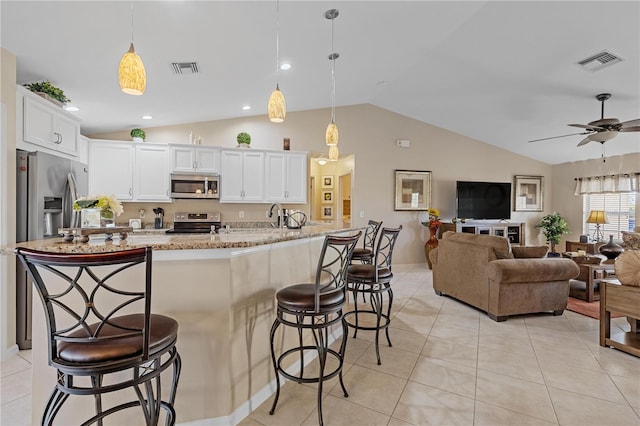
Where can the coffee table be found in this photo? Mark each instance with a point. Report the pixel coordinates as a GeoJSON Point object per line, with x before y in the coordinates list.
{"type": "Point", "coordinates": [595, 273]}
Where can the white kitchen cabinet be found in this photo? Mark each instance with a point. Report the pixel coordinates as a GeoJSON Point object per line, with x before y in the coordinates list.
{"type": "Point", "coordinates": [241, 176]}
{"type": "Point", "coordinates": [286, 177]}
{"type": "Point", "coordinates": [47, 125]}
{"type": "Point", "coordinates": [192, 159]}
{"type": "Point", "coordinates": [151, 173]}
{"type": "Point", "coordinates": [111, 169]}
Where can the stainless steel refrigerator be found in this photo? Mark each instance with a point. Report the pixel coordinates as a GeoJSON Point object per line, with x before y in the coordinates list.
{"type": "Point", "coordinates": [46, 187]}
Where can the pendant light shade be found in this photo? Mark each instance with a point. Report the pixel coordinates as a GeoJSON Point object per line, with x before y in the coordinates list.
{"type": "Point", "coordinates": [331, 135]}
{"type": "Point", "coordinates": [277, 106]}
{"type": "Point", "coordinates": [334, 153]}
{"type": "Point", "coordinates": [132, 76]}
{"type": "Point", "coordinates": [131, 73]}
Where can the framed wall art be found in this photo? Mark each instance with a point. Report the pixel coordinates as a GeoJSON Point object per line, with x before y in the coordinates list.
{"type": "Point", "coordinates": [528, 193]}
{"type": "Point", "coordinates": [327, 196]}
{"type": "Point", "coordinates": [327, 181]}
{"type": "Point", "coordinates": [327, 212]}
{"type": "Point", "coordinates": [413, 190]}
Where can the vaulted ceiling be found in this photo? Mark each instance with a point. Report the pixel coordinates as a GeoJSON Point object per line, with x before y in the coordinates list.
{"type": "Point", "coordinates": [502, 72]}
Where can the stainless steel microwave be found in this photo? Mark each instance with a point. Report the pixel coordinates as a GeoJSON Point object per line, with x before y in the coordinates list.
{"type": "Point", "coordinates": [205, 186]}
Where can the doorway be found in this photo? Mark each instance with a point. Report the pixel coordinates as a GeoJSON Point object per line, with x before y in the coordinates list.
{"type": "Point", "coordinates": [344, 197]}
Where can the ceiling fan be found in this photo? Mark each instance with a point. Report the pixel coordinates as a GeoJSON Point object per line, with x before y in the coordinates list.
{"type": "Point", "coordinates": [603, 129]}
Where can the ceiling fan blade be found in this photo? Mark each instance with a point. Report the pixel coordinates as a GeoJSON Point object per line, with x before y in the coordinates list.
{"type": "Point", "coordinates": [630, 123]}
{"type": "Point", "coordinates": [630, 129]}
{"type": "Point", "coordinates": [563, 136]}
{"type": "Point", "coordinates": [586, 126]}
{"type": "Point", "coordinates": [584, 141]}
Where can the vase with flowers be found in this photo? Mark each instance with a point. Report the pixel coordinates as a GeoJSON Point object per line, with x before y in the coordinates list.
{"type": "Point", "coordinates": [433, 224]}
{"type": "Point", "coordinates": [98, 211]}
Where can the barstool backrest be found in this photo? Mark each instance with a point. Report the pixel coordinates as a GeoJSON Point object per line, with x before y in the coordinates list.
{"type": "Point", "coordinates": [81, 299]}
{"type": "Point", "coordinates": [370, 234]}
{"type": "Point", "coordinates": [384, 249]}
{"type": "Point", "coordinates": [335, 257]}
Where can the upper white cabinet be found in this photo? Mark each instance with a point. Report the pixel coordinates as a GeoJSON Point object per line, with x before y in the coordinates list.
{"type": "Point", "coordinates": [286, 177]}
{"type": "Point", "coordinates": [111, 169]}
{"type": "Point", "coordinates": [131, 172]}
{"type": "Point", "coordinates": [241, 176]}
{"type": "Point", "coordinates": [46, 124]}
{"type": "Point", "coordinates": [151, 173]}
{"type": "Point", "coordinates": [189, 158]}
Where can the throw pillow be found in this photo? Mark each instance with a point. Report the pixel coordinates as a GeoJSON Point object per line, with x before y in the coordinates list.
{"type": "Point", "coordinates": [631, 240]}
{"type": "Point", "coordinates": [628, 268]}
{"type": "Point", "coordinates": [529, 252]}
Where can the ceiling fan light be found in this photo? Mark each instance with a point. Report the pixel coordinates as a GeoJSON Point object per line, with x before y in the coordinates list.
{"type": "Point", "coordinates": [332, 136]}
{"type": "Point", "coordinates": [277, 106]}
{"type": "Point", "coordinates": [334, 153]}
{"type": "Point", "coordinates": [603, 136]}
{"type": "Point", "coordinates": [131, 73]}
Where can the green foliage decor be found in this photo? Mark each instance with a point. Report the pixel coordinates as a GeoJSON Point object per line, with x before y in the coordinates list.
{"type": "Point", "coordinates": [553, 226]}
{"type": "Point", "coordinates": [244, 137]}
{"type": "Point", "coordinates": [49, 89]}
{"type": "Point", "coordinates": [138, 133]}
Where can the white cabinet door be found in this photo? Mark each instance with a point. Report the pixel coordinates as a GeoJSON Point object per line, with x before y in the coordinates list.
{"type": "Point", "coordinates": [151, 173]}
{"type": "Point", "coordinates": [286, 177]}
{"type": "Point", "coordinates": [44, 125]}
{"type": "Point", "coordinates": [192, 159]}
{"type": "Point", "coordinates": [296, 167]}
{"type": "Point", "coordinates": [242, 177]}
{"type": "Point", "coordinates": [111, 169]}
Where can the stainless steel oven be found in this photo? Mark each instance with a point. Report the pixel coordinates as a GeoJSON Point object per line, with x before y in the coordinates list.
{"type": "Point", "coordinates": [205, 186]}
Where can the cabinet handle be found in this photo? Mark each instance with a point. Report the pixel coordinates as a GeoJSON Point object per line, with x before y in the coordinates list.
{"type": "Point", "coordinates": [58, 138]}
{"type": "Point", "coordinates": [131, 191]}
{"type": "Point", "coordinates": [195, 164]}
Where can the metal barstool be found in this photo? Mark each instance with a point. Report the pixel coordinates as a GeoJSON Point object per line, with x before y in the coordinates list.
{"type": "Point", "coordinates": [375, 280]}
{"type": "Point", "coordinates": [100, 326]}
{"type": "Point", "coordinates": [317, 307]}
{"type": "Point", "coordinates": [364, 254]}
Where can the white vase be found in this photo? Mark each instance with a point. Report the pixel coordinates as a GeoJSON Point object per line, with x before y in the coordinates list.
{"type": "Point", "coordinates": [138, 140]}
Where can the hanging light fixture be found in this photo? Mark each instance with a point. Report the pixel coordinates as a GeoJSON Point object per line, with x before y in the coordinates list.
{"type": "Point", "coordinates": [131, 73]}
{"type": "Point", "coordinates": [277, 106]}
{"type": "Point", "coordinates": [334, 154]}
{"type": "Point", "coordinates": [331, 135]}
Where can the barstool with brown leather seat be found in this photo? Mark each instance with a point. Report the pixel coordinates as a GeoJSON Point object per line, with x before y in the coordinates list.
{"type": "Point", "coordinates": [364, 254]}
{"type": "Point", "coordinates": [100, 327]}
{"type": "Point", "coordinates": [375, 280]}
{"type": "Point", "coordinates": [317, 307]}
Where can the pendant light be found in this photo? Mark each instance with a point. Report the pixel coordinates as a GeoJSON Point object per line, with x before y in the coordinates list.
{"type": "Point", "coordinates": [331, 135]}
{"type": "Point", "coordinates": [277, 106]}
{"type": "Point", "coordinates": [131, 73]}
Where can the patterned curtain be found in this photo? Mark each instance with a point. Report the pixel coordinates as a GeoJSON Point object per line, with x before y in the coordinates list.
{"type": "Point", "coordinates": [609, 184]}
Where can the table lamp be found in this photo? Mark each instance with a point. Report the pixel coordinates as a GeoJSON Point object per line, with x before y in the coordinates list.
{"type": "Point", "coordinates": [598, 217]}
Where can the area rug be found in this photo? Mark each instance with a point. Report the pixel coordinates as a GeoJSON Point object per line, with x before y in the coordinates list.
{"type": "Point", "coordinates": [587, 309]}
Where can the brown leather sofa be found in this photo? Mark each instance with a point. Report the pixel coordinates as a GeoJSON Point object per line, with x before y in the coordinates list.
{"type": "Point", "coordinates": [483, 271]}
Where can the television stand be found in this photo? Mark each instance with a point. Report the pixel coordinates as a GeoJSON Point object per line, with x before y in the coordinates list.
{"type": "Point", "coordinates": [513, 231]}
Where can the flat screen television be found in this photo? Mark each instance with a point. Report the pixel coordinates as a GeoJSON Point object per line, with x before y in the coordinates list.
{"type": "Point", "coordinates": [483, 200]}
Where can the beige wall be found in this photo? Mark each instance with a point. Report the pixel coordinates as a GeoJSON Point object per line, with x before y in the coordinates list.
{"type": "Point", "coordinates": [369, 133]}
{"type": "Point", "coordinates": [569, 205]}
{"type": "Point", "coordinates": [7, 202]}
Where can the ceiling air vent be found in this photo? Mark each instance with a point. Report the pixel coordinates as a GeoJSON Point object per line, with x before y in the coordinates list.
{"type": "Point", "coordinates": [184, 67]}
{"type": "Point", "coordinates": [599, 61]}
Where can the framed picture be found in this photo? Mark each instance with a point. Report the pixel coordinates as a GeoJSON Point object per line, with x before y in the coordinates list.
{"type": "Point", "coordinates": [327, 212]}
{"type": "Point", "coordinates": [327, 181]}
{"type": "Point", "coordinates": [528, 193]}
{"type": "Point", "coordinates": [413, 190]}
{"type": "Point", "coordinates": [327, 196]}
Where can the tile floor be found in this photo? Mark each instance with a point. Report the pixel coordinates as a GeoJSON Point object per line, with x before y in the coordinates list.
{"type": "Point", "coordinates": [449, 365]}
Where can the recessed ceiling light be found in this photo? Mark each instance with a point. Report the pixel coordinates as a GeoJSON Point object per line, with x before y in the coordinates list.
{"type": "Point", "coordinates": [322, 161]}
{"type": "Point", "coordinates": [246, 108]}
{"type": "Point", "coordinates": [71, 108]}
{"type": "Point", "coordinates": [147, 117]}
{"type": "Point", "coordinates": [285, 67]}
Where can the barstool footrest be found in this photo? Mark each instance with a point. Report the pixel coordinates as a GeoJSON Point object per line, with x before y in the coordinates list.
{"type": "Point", "coordinates": [298, 379]}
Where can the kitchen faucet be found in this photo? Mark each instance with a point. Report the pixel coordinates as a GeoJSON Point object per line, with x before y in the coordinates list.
{"type": "Point", "coordinates": [280, 221]}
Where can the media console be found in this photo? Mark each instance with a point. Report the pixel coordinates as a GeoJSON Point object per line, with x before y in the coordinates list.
{"type": "Point", "coordinates": [513, 231]}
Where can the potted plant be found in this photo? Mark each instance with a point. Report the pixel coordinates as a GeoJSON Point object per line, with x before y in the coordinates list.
{"type": "Point", "coordinates": [244, 139]}
{"type": "Point", "coordinates": [553, 226]}
{"type": "Point", "coordinates": [138, 135]}
{"type": "Point", "coordinates": [48, 91]}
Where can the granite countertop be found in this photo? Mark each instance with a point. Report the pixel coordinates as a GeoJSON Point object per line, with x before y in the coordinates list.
{"type": "Point", "coordinates": [161, 241]}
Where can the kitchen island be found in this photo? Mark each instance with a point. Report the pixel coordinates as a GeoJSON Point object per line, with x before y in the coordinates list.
{"type": "Point", "coordinates": [220, 288]}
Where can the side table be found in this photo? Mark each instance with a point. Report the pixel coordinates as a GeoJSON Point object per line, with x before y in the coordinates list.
{"type": "Point", "coordinates": [595, 273]}
{"type": "Point", "coordinates": [623, 299]}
